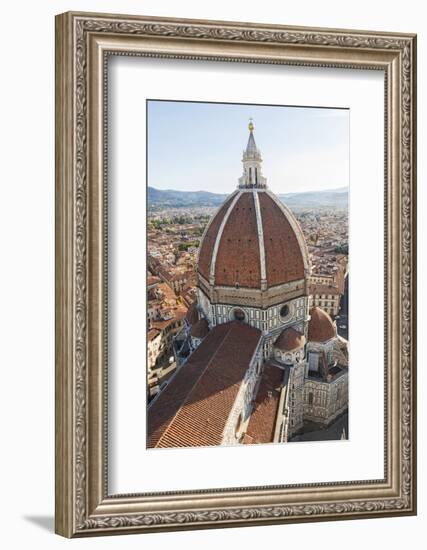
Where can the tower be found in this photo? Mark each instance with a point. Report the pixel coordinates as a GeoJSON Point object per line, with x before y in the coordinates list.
{"type": "Point", "coordinates": [252, 175]}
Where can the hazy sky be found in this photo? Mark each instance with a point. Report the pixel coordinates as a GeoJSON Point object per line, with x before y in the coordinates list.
{"type": "Point", "coordinates": [198, 146]}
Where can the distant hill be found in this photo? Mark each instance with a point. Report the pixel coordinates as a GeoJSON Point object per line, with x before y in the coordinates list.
{"type": "Point", "coordinates": [333, 198]}
{"type": "Point", "coordinates": [176, 199]}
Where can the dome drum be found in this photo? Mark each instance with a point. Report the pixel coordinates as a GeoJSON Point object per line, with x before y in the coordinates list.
{"type": "Point", "coordinates": [268, 319]}
{"type": "Point", "coordinates": [253, 297]}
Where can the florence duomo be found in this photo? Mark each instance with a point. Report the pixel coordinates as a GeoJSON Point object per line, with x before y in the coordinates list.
{"type": "Point", "coordinates": [256, 358]}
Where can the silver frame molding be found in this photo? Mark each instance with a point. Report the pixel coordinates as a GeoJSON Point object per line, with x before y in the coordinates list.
{"type": "Point", "coordinates": [83, 43]}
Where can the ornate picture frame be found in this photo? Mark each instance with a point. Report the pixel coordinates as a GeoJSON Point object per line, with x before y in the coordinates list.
{"type": "Point", "coordinates": [84, 42]}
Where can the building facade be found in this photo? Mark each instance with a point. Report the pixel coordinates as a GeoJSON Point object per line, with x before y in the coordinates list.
{"type": "Point", "coordinates": [326, 297]}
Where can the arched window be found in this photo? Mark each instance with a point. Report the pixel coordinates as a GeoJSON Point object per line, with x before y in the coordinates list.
{"type": "Point", "coordinates": [239, 314]}
{"type": "Point", "coordinates": [310, 398]}
{"type": "Point", "coordinates": [284, 311]}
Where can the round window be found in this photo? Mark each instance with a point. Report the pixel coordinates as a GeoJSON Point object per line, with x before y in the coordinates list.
{"type": "Point", "coordinates": [239, 314]}
{"type": "Point", "coordinates": [284, 311]}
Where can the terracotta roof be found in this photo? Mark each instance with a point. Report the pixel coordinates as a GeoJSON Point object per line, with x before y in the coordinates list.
{"type": "Point", "coordinates": [177, 315]}
{"type": "Point", "coordinates": [194, 407]}
{"type": "Point", "coordinates": [238, 258]}
{"type": "Point", "coordinates": [263, 418]}
{"type": "Point", "coordinates": [318, 288]}
{"type": "Point", "coordinates": [283, 255]}
{"type": "Point", "coordinates": [320, 326]}
{"type": "Point", "coordinates": [152, 280]}
{"type": "Point", "coordinates": [208, 242]}
{"type": "Point", "coordinates": [192, 315]}
{"type": "Point", "coordinates": [200, 329]}
{"type": "Point", "coordinates": [153, 333]}
{"type": "Point", "coordinates": [289, 339]}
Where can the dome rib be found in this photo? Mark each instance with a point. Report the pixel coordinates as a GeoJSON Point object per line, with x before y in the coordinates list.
{"type": "Point", "coordinates": [212, 274]}
{"type": "Point", "coordinates": [209, 238]}
{"type": "Point", "coordinates": [260, 239]}
{"type": "Point", "coordinates": [283, 254]}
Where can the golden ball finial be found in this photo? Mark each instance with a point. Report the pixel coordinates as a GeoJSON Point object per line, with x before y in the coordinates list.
{"type": "Point", "coordinates": [251, 125]}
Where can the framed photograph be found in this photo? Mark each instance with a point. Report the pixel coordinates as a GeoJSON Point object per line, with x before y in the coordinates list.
{"type": "Point", "coordinates": [216, 185]}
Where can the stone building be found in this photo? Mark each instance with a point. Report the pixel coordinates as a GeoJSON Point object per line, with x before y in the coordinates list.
{"type": "Point", "coordinates": [250, 365]}
{"type": "Point", "coordinates": [326, 297]}
{"type": "Point", "coordinates": [160, 353]}
{"type": "Point", "coordinates": [326, 385]}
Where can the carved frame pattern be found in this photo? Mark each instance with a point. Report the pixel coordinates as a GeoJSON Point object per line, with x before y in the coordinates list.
{"type": "Point", "coordinates": [83, 506]}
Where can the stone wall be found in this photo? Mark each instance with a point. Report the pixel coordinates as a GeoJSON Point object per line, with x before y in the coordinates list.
{"type": "Point", "coordinates": [240, 413]}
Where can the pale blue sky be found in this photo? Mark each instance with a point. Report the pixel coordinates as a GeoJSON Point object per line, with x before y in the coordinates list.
{"type": "Point", "coordinates": [198, 146]}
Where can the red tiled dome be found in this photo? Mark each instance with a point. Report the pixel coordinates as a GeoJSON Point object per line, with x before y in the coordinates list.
{"type": "Point", "coordinates": [289, 339]}
{"type": "Point", "coordinates": [320, 327]}
{"type": "Point", "coordinates": [200, 329]}
{"type": "Point", "coordinates": [252, 237]}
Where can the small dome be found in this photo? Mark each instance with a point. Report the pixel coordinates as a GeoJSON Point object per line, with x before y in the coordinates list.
{"type": "Point", "coordinates": [200, 329]}
{"type": "Point", "coordinates": [289, 340]}
{"type": "Point", "coordinates": [192, 315]}
{"type": "Point", "coordinates": [320, 327]}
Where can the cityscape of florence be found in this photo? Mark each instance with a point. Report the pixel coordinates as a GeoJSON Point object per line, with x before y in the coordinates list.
{"type": "Point", "coordinates": [247, 296]}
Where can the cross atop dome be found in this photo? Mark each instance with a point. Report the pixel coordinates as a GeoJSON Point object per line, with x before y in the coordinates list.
{"type": "Point", "coordinates": [252, 177]}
